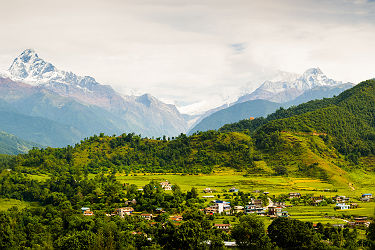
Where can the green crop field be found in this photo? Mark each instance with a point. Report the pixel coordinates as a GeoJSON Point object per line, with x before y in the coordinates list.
{"type": "Point", "coordinates": [221, 181]}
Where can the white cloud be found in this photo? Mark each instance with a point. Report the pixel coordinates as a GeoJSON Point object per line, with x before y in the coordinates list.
{"type": "Point", "coordinates": [193, 53]}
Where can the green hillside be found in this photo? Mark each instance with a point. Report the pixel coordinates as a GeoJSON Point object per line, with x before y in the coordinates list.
{"type": "Point", "coordinates": [347, 120]}
{"type": "Point", "coordinates": [12, 145]}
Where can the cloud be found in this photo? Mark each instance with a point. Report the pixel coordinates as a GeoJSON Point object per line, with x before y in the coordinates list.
{"type": "Point", "coordinates": [193, 53]}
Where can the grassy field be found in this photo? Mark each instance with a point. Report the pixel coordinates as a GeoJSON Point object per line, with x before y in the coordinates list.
{"type": "Point", "coordinates": [221, 181]}
{"type": "Point", "coordinates": [5, 204]}
{"type": "Point", "coordinates": [39, 177]}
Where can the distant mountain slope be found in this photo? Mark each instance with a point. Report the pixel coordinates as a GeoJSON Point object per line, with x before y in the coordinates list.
{"type": "Point", "coordinates": [62, 113]}
{"type": "Point", "coordinates": [255, 108]}
{"type": "Point", "coordinates": [38, 129]}
{"type": "Point", "coordinates": [11, 145]}
{"type": "Point", "coordinates": [320, 93]}
{"type": "Point", "coordinates": [349, 118]}
{"type": "Point", "coordinates": [140, 114]}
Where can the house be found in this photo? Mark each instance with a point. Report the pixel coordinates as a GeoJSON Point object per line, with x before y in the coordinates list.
{"type": "Point", "coordinates": [207, 190]}
{"type": "Point", "coordinates": [176, 218]}
{"type": "Point", "coordinates": [124, 211]}
{"type": "Point", "coordinates": [233, 190]}
{"type": "Point", "coordinates": [85, 209]}
{"type": "Point", "coordinates": [223, 207]}
{"type": "Point", "coordinates": [159, 210]}
{"type": "Point", "coordinates": [250, 209]}
{"type": "Point", "coordinates": [279, 204]}
{"type": "Point", "coordinates": [366, 197]}
{"type": "Point", "coordinates": [342, 199]}
{"type": "Point", "coordinates": [253, 209]}
{"type": "Point", "coordinates": [88, 213]}
{"type": "Point", "coordinates": [257, 203]}
{"type": "Point", "coordinates": [210, 210]}
{"type": "Point", "coordinates": [132, 202]}
{"type": "Point", "coordinates": [208, 196]}
{"type": "Point", "coordinates": [317, 199]}
{"type": "Point", "coordinates": [342, 206]}
{"type": "Point", "coordinates": [284, 214]}
{"type": "Point", "coordinates": [238, 209]}
{"type": "Point", "coordinates": [222, 226]}
{"type": "Point", "coordinates": [361, 221]}
{"type": "Point", "coordinates": [353, 205]}
{"type": "Point", "coordinates": [294, 195]}
{"type": "Point", "coordinates": [166, 185]}
{"type": "Point", "coordinates": [273, 210]}
{"type": "Point", "coordinates": [218, 207]}
{"type": "Point", "coordinates": [147, 216]}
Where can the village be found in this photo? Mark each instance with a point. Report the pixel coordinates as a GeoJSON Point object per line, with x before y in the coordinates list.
{"type": "Point", "coordinates": [265, 205]}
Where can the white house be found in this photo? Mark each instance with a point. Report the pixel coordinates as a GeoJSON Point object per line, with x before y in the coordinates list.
{"type": "Point", "coordinates": [124, 211]}
{"type": "Point", "coordinates": [342, 206]}
{"type": "Point", "coordinates": [166, 185]}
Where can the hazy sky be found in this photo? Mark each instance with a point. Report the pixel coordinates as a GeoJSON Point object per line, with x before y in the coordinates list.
{"type": "Point", "coordinates": [199, 53]}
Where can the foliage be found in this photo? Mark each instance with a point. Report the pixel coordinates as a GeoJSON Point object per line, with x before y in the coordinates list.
{"type": "Point", "coordinates": [250, 233]}
{"type": "Point", "coordinates": [292, 234]}
{"type": "Point", "coordinates": [130, 153]}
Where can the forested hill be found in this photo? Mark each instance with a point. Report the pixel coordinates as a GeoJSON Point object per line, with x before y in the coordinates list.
{"type": "Point", "coordinates": [349, 119]}
{"type": "Point", "coordinates": [131, 153]}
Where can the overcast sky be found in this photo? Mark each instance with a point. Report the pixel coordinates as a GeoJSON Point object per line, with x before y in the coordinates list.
{"type": "Point", "coordinates": [196, 53]}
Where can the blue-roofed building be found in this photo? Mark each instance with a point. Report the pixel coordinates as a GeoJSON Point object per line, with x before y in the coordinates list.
{"type": "Point", "coordinates": [366, 197]}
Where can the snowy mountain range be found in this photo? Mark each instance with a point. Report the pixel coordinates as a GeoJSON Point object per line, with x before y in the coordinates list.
{"type": "Point", "coordinates": [37, 88]}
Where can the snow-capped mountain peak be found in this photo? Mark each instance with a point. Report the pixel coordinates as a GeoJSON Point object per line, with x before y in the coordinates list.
{"type": "Point", "coordinates": [287, 89]}
{"type": "Point", "coordinates": [30, 68]}
{"type": "Point", "coordinates": [314, 77]}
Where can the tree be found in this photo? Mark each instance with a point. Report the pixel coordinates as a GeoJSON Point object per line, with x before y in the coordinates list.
{"type": "Point", "coordinates": [371, 234]}
{"type": "Point", "coordinates": [293, 234]}
{"type": "Point", "coordinates": [190, 235]}
{"type": "Point", "coordinates": [250, 233]}
{"type": "Point", "coordinates": [77, 240]}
